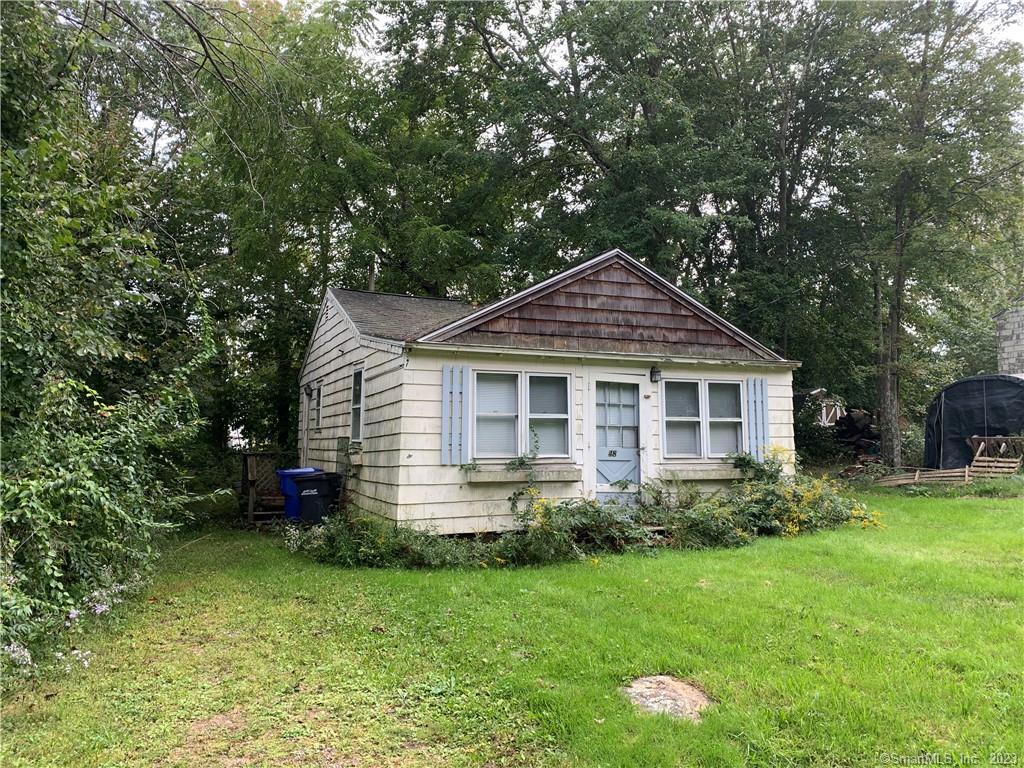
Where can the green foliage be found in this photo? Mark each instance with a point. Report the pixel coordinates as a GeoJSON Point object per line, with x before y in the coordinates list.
{"type": "Point", "coordinates": [464, 668]}
{"type": "Point", "coordinates": [772, 470]}
{"type": "Point", "coordinates": [815, 443]}
{"type": "Point", "coordinates": [690, 519]}
{"type": "Point", "coordinates": [991, 488]}
{"type": "Point", "coordinates": [665, 514]}
{"type": "Point", "coordinates": [795, 505]}
{"type": "Point", "coordinates": [100, 340]}
{"type": "Point", "coordinates": [913, 444]}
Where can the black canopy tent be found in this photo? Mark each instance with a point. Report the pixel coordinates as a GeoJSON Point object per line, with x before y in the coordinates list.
{"type": "Point", "coordinates": [991, 405]}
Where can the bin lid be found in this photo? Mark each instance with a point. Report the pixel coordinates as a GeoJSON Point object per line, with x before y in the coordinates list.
{"type": "Point", "coordinates": [318, 475]}
{"type": "Point", "coordinates": [295, 471]}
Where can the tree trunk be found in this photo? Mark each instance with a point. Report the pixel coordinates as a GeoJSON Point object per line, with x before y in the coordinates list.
{"type": "Point", "coordinates": [889, 369]}
{"type": "Point", "coordinates": [906, 217]}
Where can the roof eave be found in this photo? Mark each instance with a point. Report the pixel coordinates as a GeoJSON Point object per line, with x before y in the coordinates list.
{"type": "Point", "coordinates": [483, 349]}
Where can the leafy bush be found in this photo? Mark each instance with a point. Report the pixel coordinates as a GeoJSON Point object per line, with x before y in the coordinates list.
{"type": "Point", "coordinates": [795, 505]}
{"type": "Point", "coordinates": [100, 342]}
{"type": "Point", "coordinates": [913, 444]}
{"type": "Point", "coordinates": [359, 540]}
{"type": "Point", "coordinates": [584, 525]}
{"type": "Point", "coordinates": [666, 514]}
{"type": "Point", "coordinates": [711, 522]}
{"type": "Point", "coordinates": [816, 444]}
{"type": "Point", "coordinates": [84, 491]}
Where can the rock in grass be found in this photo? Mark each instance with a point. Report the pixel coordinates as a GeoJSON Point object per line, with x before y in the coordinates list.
{"type": "Point", "coordinates": [668, 695]}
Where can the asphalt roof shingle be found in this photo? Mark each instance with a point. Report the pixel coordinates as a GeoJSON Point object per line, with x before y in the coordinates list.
{"type": "Point", "coordinates": [396, 316]}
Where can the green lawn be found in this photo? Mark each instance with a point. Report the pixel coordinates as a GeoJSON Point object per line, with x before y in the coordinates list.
{"type": "Point", "coordinates": [835, 649]}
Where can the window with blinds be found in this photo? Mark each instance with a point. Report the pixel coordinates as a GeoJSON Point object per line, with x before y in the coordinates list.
{"type": "Point", "coordinates": [702, 418]}
{"type": "Point", "coordinates": [497, 414]}
{"type": "Point", "coordinates": [521, 413]}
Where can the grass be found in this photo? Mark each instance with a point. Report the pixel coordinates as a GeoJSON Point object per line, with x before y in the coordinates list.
{"type": "Point", "coordinates": [840, 648]}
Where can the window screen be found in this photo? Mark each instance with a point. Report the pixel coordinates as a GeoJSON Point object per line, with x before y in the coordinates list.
{"type": "Point", "coordinates": [725, 418]}
{"type": "Point", "coordinates": [357, 404]}
{"type": "Point", "coordinates": [549, 415]}
{"type": "Point", "coordinates": [497, 411]}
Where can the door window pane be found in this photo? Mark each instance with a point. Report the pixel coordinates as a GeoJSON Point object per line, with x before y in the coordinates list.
{"type": "Point", "coordinates": [682, 438]}
{"type": "Point", "coordinates": [682, 398]}
{"type": "Point", "coordinates": [629, 415]}
{"type": "Point", "coordinates": [724, 401]}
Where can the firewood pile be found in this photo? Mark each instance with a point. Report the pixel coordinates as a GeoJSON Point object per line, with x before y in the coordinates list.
{"type": "Point", "coordinates": [857, 431]}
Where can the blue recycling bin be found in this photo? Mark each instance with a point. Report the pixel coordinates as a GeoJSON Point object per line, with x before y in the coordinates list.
{"type": "Point", "coordinates": [289, 491]}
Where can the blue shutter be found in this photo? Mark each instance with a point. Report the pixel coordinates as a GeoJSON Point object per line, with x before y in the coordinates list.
{"type": "Point", "coordinates": [454, 414]}
{"type": "Point", "coordinates": [757, 417]}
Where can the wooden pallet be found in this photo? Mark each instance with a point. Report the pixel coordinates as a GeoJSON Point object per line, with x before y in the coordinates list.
{"type": "Point", "coordinates": [982, 467]}
{"type": "Point", "coordinates": [998, 446]}
{"type": "Point", "coordinates": [919, 476]}
{"type": "Point", "coordinates": [986, 466]}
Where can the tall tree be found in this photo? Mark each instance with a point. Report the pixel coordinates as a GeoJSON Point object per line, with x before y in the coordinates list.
{"type": "Point", "coordinates": [938, 154]}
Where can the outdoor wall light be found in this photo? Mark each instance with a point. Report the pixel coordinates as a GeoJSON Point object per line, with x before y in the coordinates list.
{"type": "Point", "coordinates": [308, 390]}
{"type": "Point", "coordinates": [655, 374]}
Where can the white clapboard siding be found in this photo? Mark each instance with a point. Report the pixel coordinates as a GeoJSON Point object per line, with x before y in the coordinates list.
{"type": "Point", "coordinates": [334, 353]}
{"type": "Point", "coordinates": [398, 472]}
{"type": "Point", "coordinates": [442, 498]}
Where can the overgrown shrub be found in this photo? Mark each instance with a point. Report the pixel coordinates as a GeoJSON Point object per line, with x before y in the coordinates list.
{"type": "Point", "coordinates": [711, 522]}
{"type": "Point", "coordinates": [360, 540]}
{"type": "Point", "coordinates": [665, 514]}
{"type": "Point", "coordinates": [101, 340]}
{"type": "Point", "coordinates": [795, 505]}
{"type": "Point", "coordinates": [84, 491]}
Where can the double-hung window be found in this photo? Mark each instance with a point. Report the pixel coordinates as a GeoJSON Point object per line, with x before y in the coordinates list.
{"type": "Point", "coordinates": [318, 405]}
{"type": "Point", "coordinates": [548, 414]}
{"type": "Point", "coordinates": [682, 418]}
{"type": "Point", "coordinates": [725, 418]}
{"type": "Point", "coordinates": [702, 418]}
{"type": "Point", "coordinates": [356, 435]}
{"type": "Point", "coordinates": [519, 413]}
{"type": "Point", "coordinates": [497, 414]}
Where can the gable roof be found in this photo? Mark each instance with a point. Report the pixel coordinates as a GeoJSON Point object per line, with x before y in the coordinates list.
{"type": "Point", "coordinates": [495, 318]}
{"type": "Point", "coordinates": [396, 316]}
{"type": "Point", "coordinates": [1014, 303]}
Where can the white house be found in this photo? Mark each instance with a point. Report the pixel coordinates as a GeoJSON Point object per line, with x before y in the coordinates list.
{"type": "Point", "coordinates": [603, 373]}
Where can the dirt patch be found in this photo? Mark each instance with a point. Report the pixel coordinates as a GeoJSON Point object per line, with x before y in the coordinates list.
{"type": "Point", "coordinates": [210, 742]}
{"type": "Point", "coordinates": [324, 757]}
{"type": "Point", "coordinates": [219, 724]}
{"type": "Point", "coordinates": [668, 695]}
